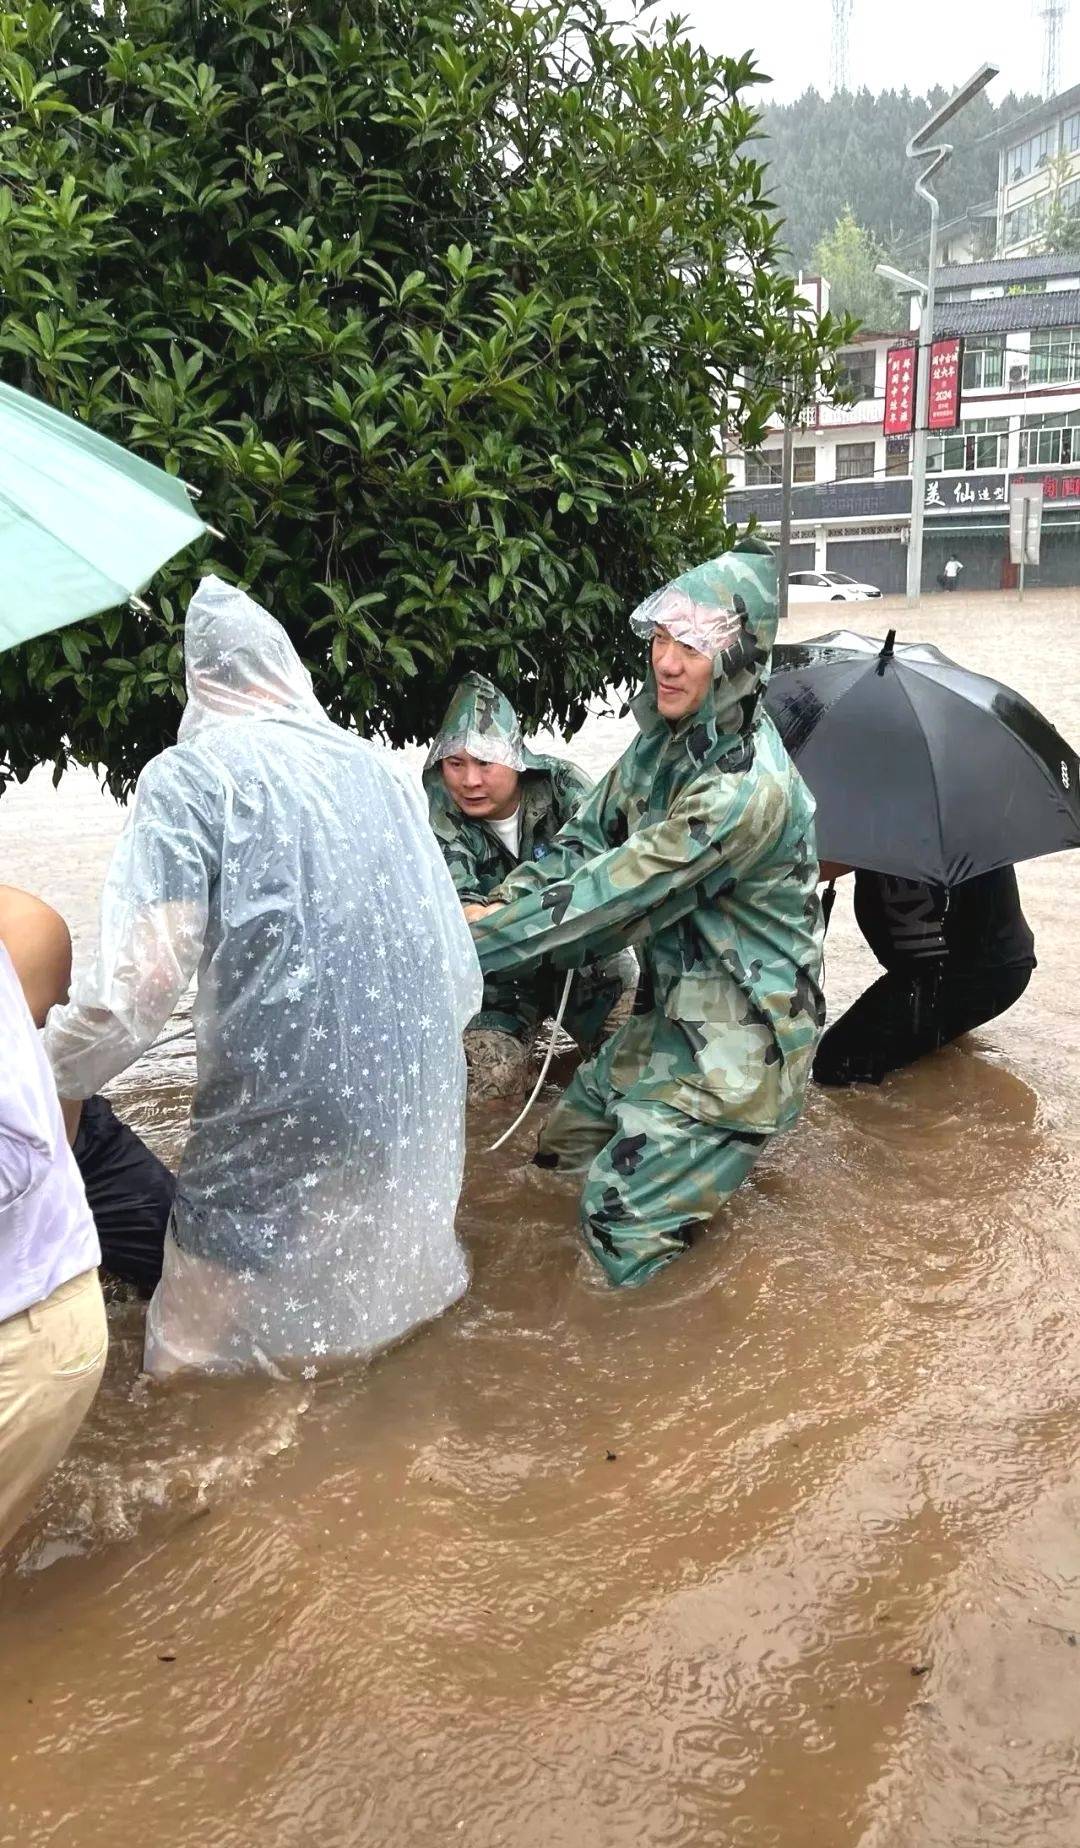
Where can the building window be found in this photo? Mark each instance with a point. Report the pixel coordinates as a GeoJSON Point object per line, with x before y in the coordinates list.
{"type": "Point", "coordinates": [854, 461]}
{"type": "Point", "coordinates": [1029, 156]}
{"type": "Point", "coordinates": [897, 456]}
{"type": "Point", "coordinates": [804, 467]}
{"type": "Point", "coordinates": [1055, 356]}
{"type": "Point", "coordinates": [1027, 220]}
{"type": "Point", "coordinates": [1070, 134]}
{"type": "Point", "coordinates": [858, 370]}
{"type": "Point", "coordinates": [982, 442]}
{"type": "Point", "coordinates": [763, 470]}
{"type": "Point", "coordinates": [1048, 441]}
{"type": "Point", "coordinates": [984, 361]}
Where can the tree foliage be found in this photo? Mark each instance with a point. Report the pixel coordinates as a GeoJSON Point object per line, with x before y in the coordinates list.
{"type": "Point", "coordinates": [827, 155]}
{"type": "Point", "coordinates": [848, 255]}
{"type": "Point", "coordinates": [1061, 232]}
{"type": "Point", "coordinates": [441, 307]}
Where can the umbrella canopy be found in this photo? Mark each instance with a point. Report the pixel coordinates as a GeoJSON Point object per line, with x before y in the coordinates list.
{"type": "Point", "coordinates": [83, 524]}
{"type": "Point", "coordinates": [919, 767]}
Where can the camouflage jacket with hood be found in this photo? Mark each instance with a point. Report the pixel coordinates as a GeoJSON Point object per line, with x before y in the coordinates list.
{"type": "Point", "coordinates": [698, 849]}
{"type": "Point", "coordinates": [551, 790]}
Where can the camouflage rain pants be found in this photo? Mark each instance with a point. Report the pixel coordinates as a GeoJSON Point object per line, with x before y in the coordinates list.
{"type": "Point", "coordinates": [654, 1177]}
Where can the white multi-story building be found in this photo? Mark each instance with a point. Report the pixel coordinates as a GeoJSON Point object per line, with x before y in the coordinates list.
{"type": "Point", "coordinates": [1039, 157]}
{"type": "Point", "coordinates": [1019, 416]}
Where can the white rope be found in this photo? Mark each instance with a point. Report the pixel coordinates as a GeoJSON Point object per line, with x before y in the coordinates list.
{"type": "Point", "coordinates": [538, 1087]}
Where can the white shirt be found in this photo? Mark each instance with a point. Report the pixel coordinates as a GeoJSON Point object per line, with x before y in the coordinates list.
{"type": "Point", "coordinates": [953, 568]}
{"type": "Point", "coordinates": [509, 832]}
{"type": "Point", "coordinates": [47, 1234]}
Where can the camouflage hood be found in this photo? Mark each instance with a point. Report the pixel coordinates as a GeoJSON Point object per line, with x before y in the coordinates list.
{"type": "Point", "coordinates": [480, 720]}
{"type": "Point", "coordinates": [742, 586]}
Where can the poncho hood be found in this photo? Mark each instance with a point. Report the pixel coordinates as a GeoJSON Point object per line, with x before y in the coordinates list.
{"type": "Point", "coordinates": [240, 664]}
{"type": "Point", "coordinates": [743, 581]}
{"type": "Point", "coordinates": [481, 721]}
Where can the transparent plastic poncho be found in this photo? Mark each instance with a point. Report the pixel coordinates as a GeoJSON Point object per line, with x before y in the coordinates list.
{"type": "Point", "coordinates": [290, 867]}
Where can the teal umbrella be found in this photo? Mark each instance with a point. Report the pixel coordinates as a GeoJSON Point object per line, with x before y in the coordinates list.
{"type": "Point", "coordinates": [83, 524]}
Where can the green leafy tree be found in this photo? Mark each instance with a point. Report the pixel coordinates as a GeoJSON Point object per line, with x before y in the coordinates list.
{"type": "Point", "coordinates": [846, 256]}
{"type": "Point", "coordinates": [442, 307]}
{"type": "Point", "coordinates": [1061, 234]}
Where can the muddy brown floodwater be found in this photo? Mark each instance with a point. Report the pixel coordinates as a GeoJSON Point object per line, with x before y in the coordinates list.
{"type": "Point", "coordinates": [782, 1549]}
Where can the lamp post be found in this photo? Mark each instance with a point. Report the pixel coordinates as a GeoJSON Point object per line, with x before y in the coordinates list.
{"type": "Point", "coordinates": [924, 146]}
{"type": "Point", "coordinates": [918, 467]}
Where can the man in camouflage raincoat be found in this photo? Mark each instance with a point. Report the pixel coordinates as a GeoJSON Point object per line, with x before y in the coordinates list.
{"type": "Point", "coordinates": [698, 849]}
{"type": "Point", "coordinates": [493, 804]}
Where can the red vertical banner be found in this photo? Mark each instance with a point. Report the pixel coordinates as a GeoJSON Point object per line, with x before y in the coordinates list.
{"type": "Point", "coordinates": [945, 366]}
{"type": "Point", "coordinates": [900, 364]}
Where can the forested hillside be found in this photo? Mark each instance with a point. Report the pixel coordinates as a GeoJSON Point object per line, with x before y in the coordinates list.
{"type": "Point", "coordinates": [826, 153]}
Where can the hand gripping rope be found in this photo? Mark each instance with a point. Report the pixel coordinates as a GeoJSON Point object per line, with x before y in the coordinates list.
{"type": "Point", "coordinates": [539, 1085]}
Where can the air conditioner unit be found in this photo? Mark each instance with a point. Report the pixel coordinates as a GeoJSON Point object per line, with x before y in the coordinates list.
{"type": "Point", "coordinates": [1018, 375]}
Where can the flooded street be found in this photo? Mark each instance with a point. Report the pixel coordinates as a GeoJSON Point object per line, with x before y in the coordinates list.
{"type": "Point", "coordinates": [783, 1549]}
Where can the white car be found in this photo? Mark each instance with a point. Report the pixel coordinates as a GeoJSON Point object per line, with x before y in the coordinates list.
{"type": "Point", "coordinates": [828, 587]}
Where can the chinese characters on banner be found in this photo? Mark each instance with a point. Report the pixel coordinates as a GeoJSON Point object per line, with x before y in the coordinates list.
{"type": "Point", "coordinates": [944, 412]}
{"type": "Point", "coordinates": [900, 390]}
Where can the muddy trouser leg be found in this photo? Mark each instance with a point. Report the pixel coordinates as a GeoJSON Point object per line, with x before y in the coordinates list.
{"type": "Point", "coordinates": [901, 1018]}
{"type": "Point", "coordinates": [598, 990]}
{"type": "Point", "coordinates": [653, 1177]}
{"type": "Point", "coordinates": [498, 1041]}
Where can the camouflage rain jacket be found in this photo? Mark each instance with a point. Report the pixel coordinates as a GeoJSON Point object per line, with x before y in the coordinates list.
{"type": "Point", "coordinates": [551, 789]}
{"type": "Point", "coordinates": [698, 849]}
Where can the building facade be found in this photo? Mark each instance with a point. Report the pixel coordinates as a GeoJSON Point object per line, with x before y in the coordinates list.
{"type": "Point", "coordinates": [1039, 159]}
{"type": "Point", "coordinates": [1019, 419]}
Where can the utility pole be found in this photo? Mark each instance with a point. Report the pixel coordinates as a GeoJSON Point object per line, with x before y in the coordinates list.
{"type": "Point", "coordinates": [786, 478]}
{"type": "Point", "coordinates": [921, 433]}
{"type": "Point", "coordinates": [923, 146]}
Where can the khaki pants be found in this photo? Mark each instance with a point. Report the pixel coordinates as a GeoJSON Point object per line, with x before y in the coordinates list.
{"type": "Point", "coordinates": [52, 1357]}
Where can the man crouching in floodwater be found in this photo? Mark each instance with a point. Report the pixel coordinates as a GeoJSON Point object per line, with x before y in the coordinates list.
{"type": "Point", "coordinates": [493, 804]}
{"type": "Point", "coordinates": [697, 848]}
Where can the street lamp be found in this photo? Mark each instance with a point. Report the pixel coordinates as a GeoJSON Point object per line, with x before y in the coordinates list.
{"type": "Point", "coordinates": [924, 146]}
{"type": "Point", "coordinates": [901, 278]}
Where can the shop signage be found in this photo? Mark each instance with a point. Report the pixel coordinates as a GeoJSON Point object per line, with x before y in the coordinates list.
{"type": "Point", "coordinates": [1056, 487]}
{"type": "Point", "coordinates": [975, 493]}
{"type": "Point", "coordinates": [871, 499]}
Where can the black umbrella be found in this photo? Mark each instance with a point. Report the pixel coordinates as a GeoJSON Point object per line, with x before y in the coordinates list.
{"type": "Point", "coordinates": [919, 767]}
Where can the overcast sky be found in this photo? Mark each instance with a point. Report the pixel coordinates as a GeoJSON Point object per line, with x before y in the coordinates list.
{"type": "Point", "coordinates": [890, 45]}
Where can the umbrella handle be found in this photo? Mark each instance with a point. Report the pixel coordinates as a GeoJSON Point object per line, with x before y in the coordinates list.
{"type": "Point", "coordinates": [828, 900]}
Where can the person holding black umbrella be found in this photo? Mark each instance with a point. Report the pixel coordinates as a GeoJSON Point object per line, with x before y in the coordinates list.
{"type": "Point", "coordinates": [953, 960]}
{"type": "Point", "coordinates": [934, 781]}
